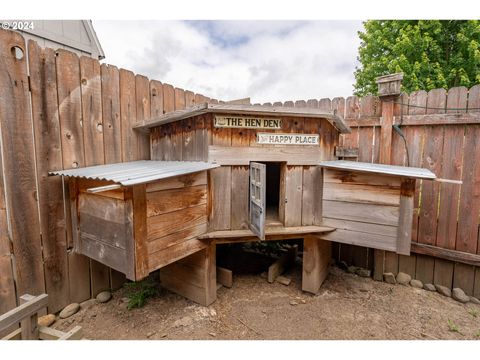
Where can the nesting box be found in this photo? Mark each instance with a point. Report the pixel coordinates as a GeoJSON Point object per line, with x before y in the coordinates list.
{"type": "Point", "coordinates": [235, 173]}
{"type": "Point", "coordinates": [389, 85]}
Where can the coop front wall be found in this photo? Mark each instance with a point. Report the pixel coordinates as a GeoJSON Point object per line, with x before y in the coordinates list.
{"type": "Point", "coordinates": [234, 148]}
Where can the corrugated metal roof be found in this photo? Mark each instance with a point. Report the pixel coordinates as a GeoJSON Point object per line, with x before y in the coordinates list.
{"type": "Point", "coordinates": [204, 108]}
{"type": "Point", "coordinates": [137, 172]}
{"type": "Point", "coordinates": [405, 171]}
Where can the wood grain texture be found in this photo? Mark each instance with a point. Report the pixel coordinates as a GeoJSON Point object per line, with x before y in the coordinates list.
{"type": "Point", "coordinates": [128, 115]}
{"type": "Point", "coordinates": [139, 203]}
{"type": "Point", "coordinates": [171, 222]}
{"type": "Point", "coordinates": [142, 95]}
{"type": "Point", "coordinates": [293, 195]}
{"type": "Point", "coordinates": [220, 182]}
{"type": "Point", "coordinates": [112, 139]}
{"type": "Point", "coordinates": [166, 201]}
{"type": "Point", "coordinates": [46, 127]}
{"type": "Point", "coordinates": [316, 260]}
{"type": "Point", "coordinates": [19, 164]}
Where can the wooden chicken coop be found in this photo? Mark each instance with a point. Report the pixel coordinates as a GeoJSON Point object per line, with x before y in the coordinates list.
{"type": "Point", "coordinates": [234, 173]}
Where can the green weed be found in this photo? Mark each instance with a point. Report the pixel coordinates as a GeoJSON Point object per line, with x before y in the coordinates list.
{"type": "Point", "coordinates": [139, 292]}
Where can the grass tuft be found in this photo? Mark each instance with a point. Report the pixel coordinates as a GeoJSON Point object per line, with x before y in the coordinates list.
{"type": "Point", "coordinates": [138, 292]}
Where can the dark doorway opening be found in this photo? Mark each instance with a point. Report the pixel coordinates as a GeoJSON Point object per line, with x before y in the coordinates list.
{"type": "Point", "coordinates": [272, 193]}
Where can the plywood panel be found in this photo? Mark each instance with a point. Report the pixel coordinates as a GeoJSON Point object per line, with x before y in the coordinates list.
{"type": "Point", "coordinates": [220, 198]}
{"type": "Point", "coordinates": [239, 197]}
{"type": "Point", "coordinates": [312, 195]}
{"type": "Point", "coordinates": [293, 195]}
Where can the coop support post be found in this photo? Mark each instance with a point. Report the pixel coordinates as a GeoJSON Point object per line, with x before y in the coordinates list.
{"type": "Point", "coordinates": [316, 259]}
{"type": "Point", "coordinates": [194, 277]}
{"type": "Point", "coordinates": [389, 91]}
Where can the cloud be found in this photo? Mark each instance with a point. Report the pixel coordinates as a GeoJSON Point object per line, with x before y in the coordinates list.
{"type": "Point", "coordinates": [265, 60]}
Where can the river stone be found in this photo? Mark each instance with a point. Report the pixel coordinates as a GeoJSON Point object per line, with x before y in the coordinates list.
{"type": "Point", "coordinates": [459, 295]}
{"type": "Point", "coordinates": [443, 290]}
{"type": "Point", "coordinates": [474, 300]}
{"type": "Point", "coordinates": [46, 320]}
{"type": "Point", "coordinates": [416, 284]}
{"type": "Point", "coordinates": [87, 303]}
{"type": "Point", "coordinates": [104, 296]}
{"type": "Point", "coordinates": [69, 310]}
{"type": "Point", "coordinates": [363, 272]}
{"type": "Point", "coordinates": [403, 279]}
{"type": "Point", "coordinates": [388, 277]}
{"type": "Point", "coordinates": [429, 287]}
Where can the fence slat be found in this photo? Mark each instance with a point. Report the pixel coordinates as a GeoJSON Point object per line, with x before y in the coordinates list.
{"type": "Point", "coordinates": [112, 139]}
{"type": "Point", "coordinates": [19, 164]}
{"type": "Point", "coordinates": [46, 128]}
{"type": "Point", "coordinates": [142, 94]}
{"type": "Point", "coordinates": [128, 110]}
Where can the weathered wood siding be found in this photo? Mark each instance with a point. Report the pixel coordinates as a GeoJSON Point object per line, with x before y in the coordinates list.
{"type": "Point", "coordinates": [176, 214]}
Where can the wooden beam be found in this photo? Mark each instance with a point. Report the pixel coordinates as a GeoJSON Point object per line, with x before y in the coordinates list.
{"type": "Point", "coordinates": [404, 230]}
{"type": "Point", "coordinates": [47, 333]}
{"type": "Point", "coordinates": [224, 277]}
{"type": "Point", "coordinates": [16, 315]}
{"type": "Point", "coordinates": [280, 265]}
{"type": "Point", "coordinates": [29, 324]}
{"type": "Point", "coordinates": [99, 189]}
{"type": "Point", "coordinates": [344, 152]}
{"type": "Point", "coordinates": [316, 259]}
{"type": "Point", "coordinates": [419, 120]}
{"type": "Point", "coordinates": [452, 255]}
{"type": "Point", "coordinates": [294, 230]}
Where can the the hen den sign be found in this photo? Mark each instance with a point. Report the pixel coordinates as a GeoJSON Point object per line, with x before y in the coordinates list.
{"type": "Point", "coordinates": [247, 122]}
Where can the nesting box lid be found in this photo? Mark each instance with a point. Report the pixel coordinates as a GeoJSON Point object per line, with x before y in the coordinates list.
{"type": "Point", "coordinates": [137, 172]}
{"type": "Point", "coordinates": [402, 171]}
{"type": "Point", "coordinates": [336, 120]}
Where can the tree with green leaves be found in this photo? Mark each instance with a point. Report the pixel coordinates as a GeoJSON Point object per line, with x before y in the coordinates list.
{"type": "Point", "coordinates": [431, 54]}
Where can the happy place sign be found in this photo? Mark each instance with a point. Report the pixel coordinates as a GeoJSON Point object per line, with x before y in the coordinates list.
{"type": "Point", "coordinates": [287, 139]}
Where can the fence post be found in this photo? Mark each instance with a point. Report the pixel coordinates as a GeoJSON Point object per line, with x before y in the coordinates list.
{"type": "Point", "coordinates": [389, 92]}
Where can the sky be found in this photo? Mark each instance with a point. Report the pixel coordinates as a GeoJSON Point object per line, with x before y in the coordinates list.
{"type": "Point", "coordinates": [267, 61]}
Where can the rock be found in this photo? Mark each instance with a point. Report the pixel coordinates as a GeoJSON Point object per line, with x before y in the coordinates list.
{"type": "Point", "coordinates": [363, 272]}
{"type": "Point", "coordinates": [389, 278]}
{"type": "Point", "coordinates": [443, 290]}
{"type": "Point", "coordinates": [429, 287]}
{"type": "Point", "coordinates": [69, 310]}
{"type": "Point", "coordinates": [150, 334]}
{"type": "Point", "coordinates": [164, 335]}
{"type": "Point", "coordinates": [474, 300]}
{"type": "Point", "coordinates": [416, 284]}
{"type": "Point", "coordinates": [459, 295]}
{"type": "Point", "coordinates": [104, 296]}
{"type": "Point", "coordinates": [403, 279]}
{"type": "Point", "coordinates": [212, 334]}
{"type": "Point", "coordinates": [46, 320]}
{"type": "Point", "coordinates": [283, 280]}
{"type": "Point", "coordinates": [185, 321]}
{"type": "Point", "coordinates": [87, 303]}
{"type": "Point", "coordinates": [352, 269]}
{"type": "Point", "coordinates": [293, 302]}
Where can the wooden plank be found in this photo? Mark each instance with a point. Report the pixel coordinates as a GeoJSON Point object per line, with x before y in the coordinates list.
{"type": "Point", "coordinates": [292, 155]}
{"type": "Point", "coordinates": [112, 233]}
{"type": "Point", "coordinates": [7, 285]}
{"type": "Point", "coordinates": [92, 121]}
{"type": "Point", "coordinates": [46, 333]}
{"type": "Point", "coordinates": [177, 182]}
{"type": "Point", "coordinates": [179, 96]}
{"type": "Point", "coordinates": [70, 109]}
{"type": "Point", "coordinates": [139, 203]}
{"type": "Point", "coordinates": [142, 95]}
{"type": "Point", "coordinates": [446, 254]}
{"type": "Point", "coordinates": [404, 232]}
{"type": "Point", "coordinates": [175, 252]}
{"type": "Point", "coordinates": [439, 119]}
{"type": "Point", "coordinates": [166, 201]}
{"type": "Point", "coordinates": [156, 98]}
{"type": "Point", "coordinates": [203, 292]}
{"type": "Point", "coordinates": [112, 138]}
{"type": "Point", "coordinates": [312, 195]}
{"type": "Point", "coordinates": [224, 277]}
{"type": "Point", "coordinates": [189, 99]}
{"type": "Point", "coordinates": [316, 260]}
{"type": "Point", "coordinates": [48, 157]}
{"type": "Point", "coordinates": [281, 264]}
{"type": "Point", "coordinates": [79, 275]}
{"type": "Point", "coordinates": [351, 177]}
{"type": "Point", "coordinates": [293, 195]}
{"type": "Point", "coordinates": [22, 311]}
{"type": "Point", "coordinates": [128, 115]}
{"type": "Point", "coordinates": [464, 278]}
{"type": "Point", "coordinates": [175, 238]}
{"type": "Point", "coordinates": [168, 223]}
{"type": "Point", "coordinates": [370, 213]}
{"type": "Point", "coordinates": [269, 231]}
{"type": "Point", "coordinates": [189, 146]}
{"type": "Point", "coordinates": [18, 164]}
{"type": "Point", "coordinates": [239, 197]}
{"type": "Point", "coordinates": [101, 278]}
{"type": "Point", "coordinates": [168, 98]}
{"type": "Point", "coordinates": [74, 334]}
{"type": "Point", "coordinates": [220, 180]}
{"type": "Point", "coordinates": [359, 193]}
{"type": "Point", "coordinates": [375, 241]}
{"type": "Point", "coordinates": [385, 230]}
{"type": "Point", "coordinates": [104, 253]}
{"type": "Point", "coordinates": [101, 207]}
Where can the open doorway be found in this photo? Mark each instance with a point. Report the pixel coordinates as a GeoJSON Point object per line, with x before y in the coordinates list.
{"type": "Point", "coordinates": [272, 193]}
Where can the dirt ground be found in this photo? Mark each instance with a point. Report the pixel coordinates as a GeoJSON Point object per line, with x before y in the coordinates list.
{"type": "Point", "coordinates": [347, 307]}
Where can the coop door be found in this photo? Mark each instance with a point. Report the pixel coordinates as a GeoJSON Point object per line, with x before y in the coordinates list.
{"type": "Point", "coordinates": [257, 199]}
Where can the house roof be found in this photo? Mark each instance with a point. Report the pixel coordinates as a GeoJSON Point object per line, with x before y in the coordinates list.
{"type": "Point", "coordinates": [403, 171]}
{"type": "Point", "coordinates": [205, 108]}
{"type": "Point", "coordinates": [137, 172]}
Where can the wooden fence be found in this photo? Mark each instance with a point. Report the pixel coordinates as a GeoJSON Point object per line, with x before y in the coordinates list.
{"type": "Point", "coordinates": [59, 111]}
{"type": "Point", "coordinates": [442, 133]}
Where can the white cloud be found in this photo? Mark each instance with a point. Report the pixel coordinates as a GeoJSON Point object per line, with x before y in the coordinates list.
{"type": "Point", "coordinates": [264, 60]}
